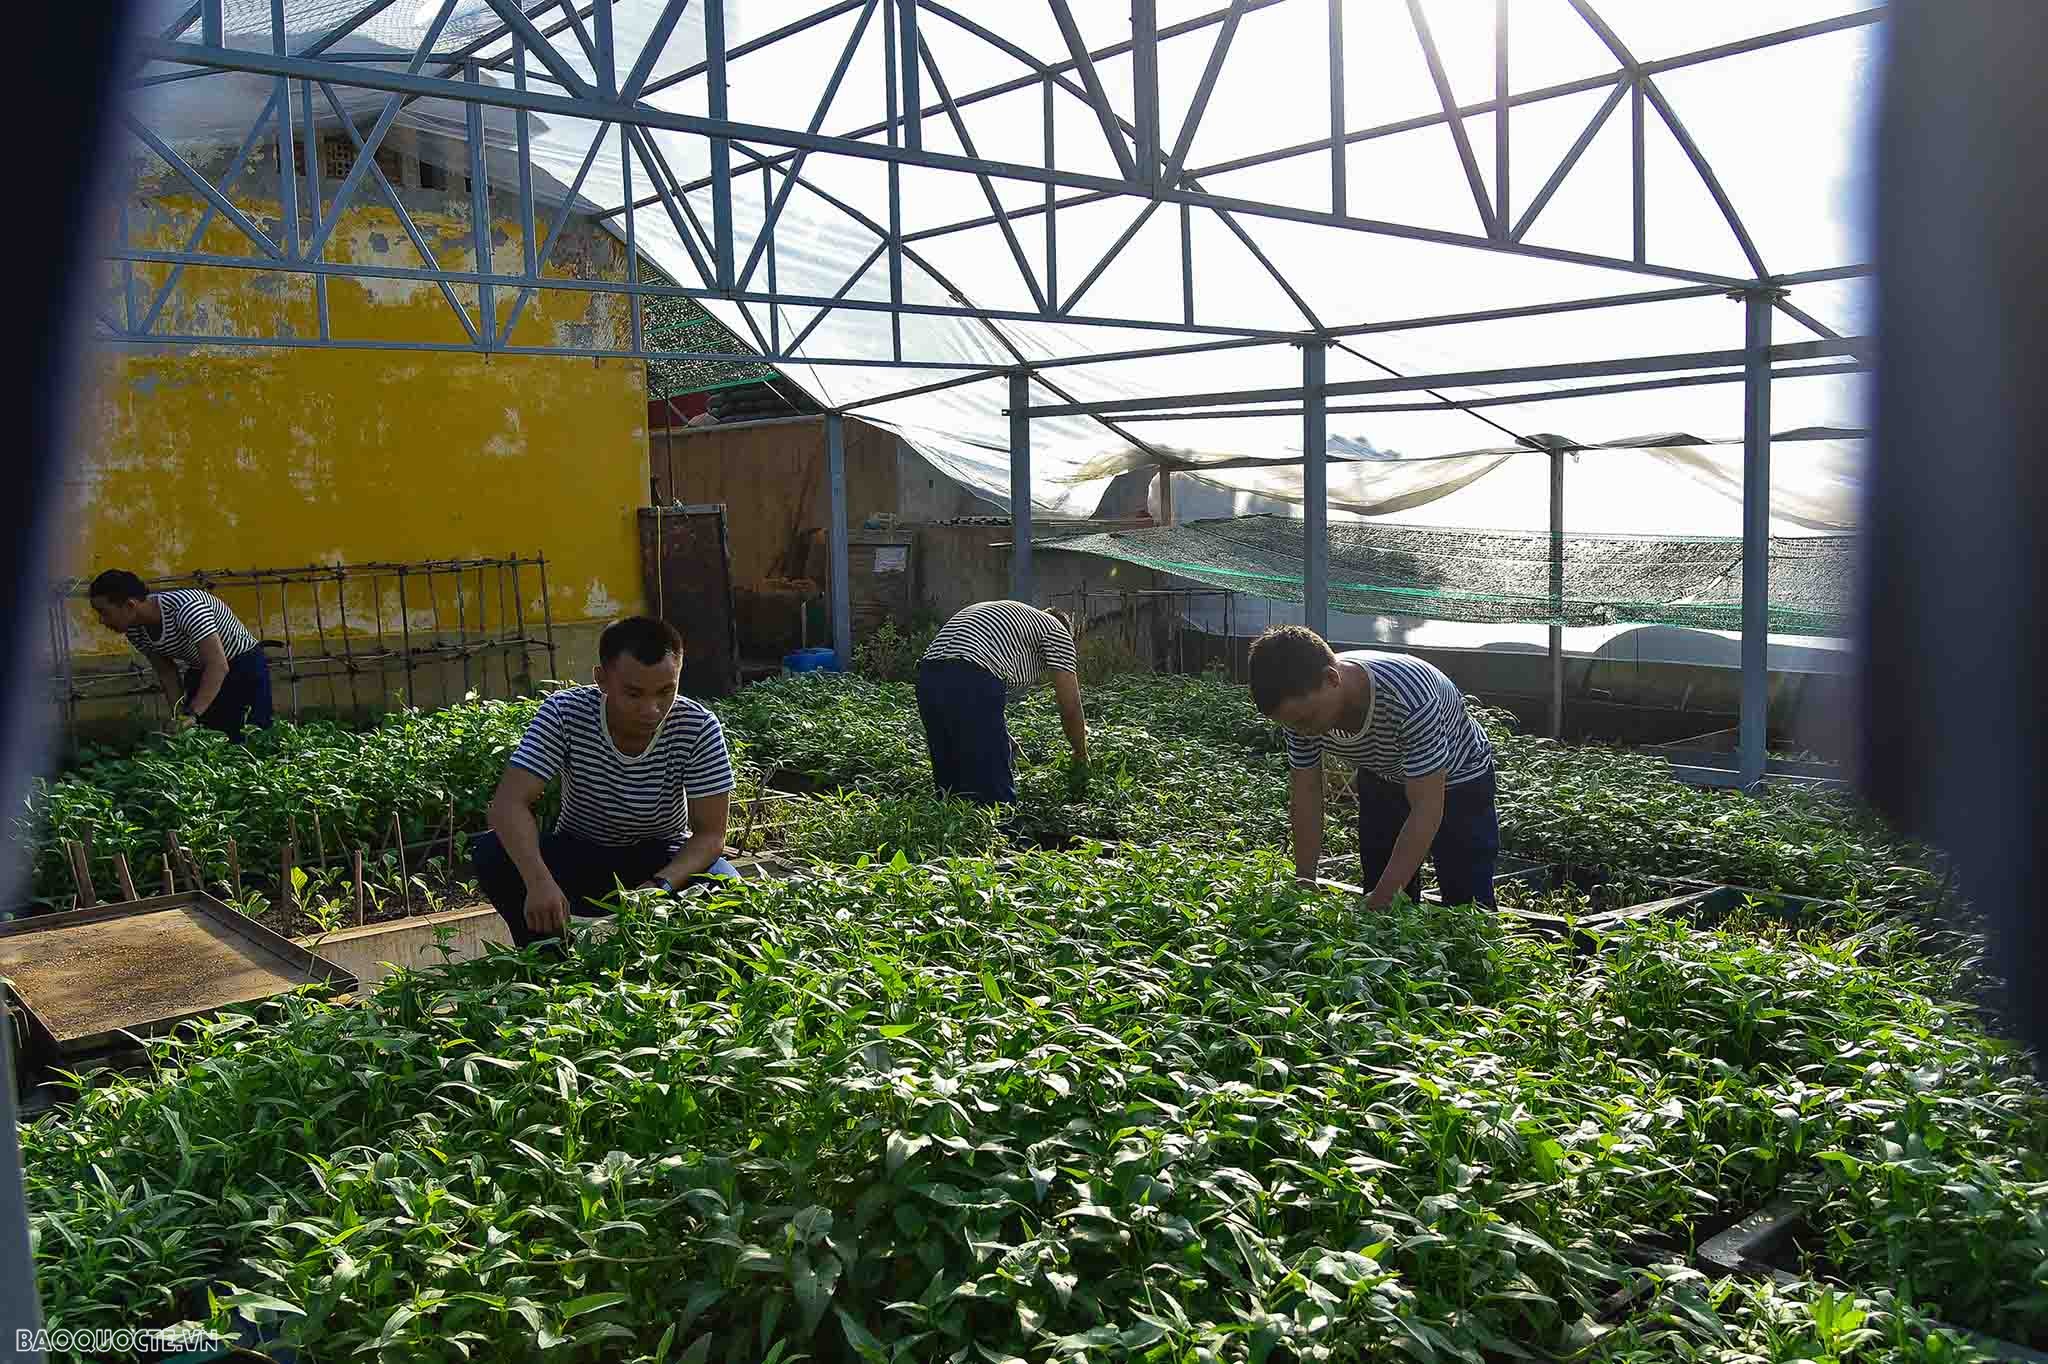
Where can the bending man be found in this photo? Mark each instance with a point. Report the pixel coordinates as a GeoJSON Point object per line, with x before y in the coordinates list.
{"type": "Point", "coordinates": [1425, 768]}
{"type": "Point", "coordinates": [986, 655]}
{"type": "Point", "coordinates": [211, 668]}
{"type": "Point", "coordinates": [645, 785]}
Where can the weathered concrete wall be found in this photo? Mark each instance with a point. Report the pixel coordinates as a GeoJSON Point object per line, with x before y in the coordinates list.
{"type": "Point", "coordinates": [210, 455]}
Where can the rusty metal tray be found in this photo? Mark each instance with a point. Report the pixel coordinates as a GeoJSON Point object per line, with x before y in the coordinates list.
{"type": "Point", "coordinates": [85, 977]}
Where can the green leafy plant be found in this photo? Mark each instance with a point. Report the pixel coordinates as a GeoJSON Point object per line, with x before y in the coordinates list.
{"type": "Point", "coordinates": [1139, 1099]}
{"type": "Point", "coordinates": [1688, 1318]}
{"type": "Point", "coordinates": [851, 826]}
{"type": "Point", "coordinates": [1104, 654]}
{"type": "Point", "coordinates": [890, 652]}
{"type": "Point", "coordinates": [414, 765]}
{"type": "Point", "coordinates": [1105, 1102]}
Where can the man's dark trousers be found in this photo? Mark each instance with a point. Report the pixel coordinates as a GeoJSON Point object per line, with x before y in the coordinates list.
{"type": "Point", "coordinates": [243, 698]}
{"type": "Point", "coordinates": [1466, 846]}
{"type": "Point", "coordinates": [587, 872]}
{"type": "Point", "coordinates": [961, 704]}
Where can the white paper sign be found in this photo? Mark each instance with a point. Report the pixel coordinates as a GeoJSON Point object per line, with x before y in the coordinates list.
{"type": "Point", "coordinates": [892, 558]}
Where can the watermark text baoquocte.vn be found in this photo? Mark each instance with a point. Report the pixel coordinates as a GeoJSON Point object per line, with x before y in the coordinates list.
{"type": "Point", "coordinates": [105, 1340]}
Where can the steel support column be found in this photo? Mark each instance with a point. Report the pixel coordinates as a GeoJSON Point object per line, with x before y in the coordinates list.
{"type": "Point", "coordinates": [479, 217]}
{"type": "Point", "coordinates": [892, 95]}
{"type": "Point", "coordinates": [722, 263]}
{"type": "Point", "coordinates": [1315, 488]}
{"type": "Point", "coordinates": [1339, 194]}
{"type": "Point", "coordinates": [1145, 89]}
{"type": "Point", "coordinates": [1756, 531]}
{"type": "Point", "coordinates": [913, 95]}
{"type": "Point", "coordinates": [1021, 585]}
{"type": "Point", "coordinates": [1052, 234]}
{"type": "Point", "coordinates": [842, 596]}
{"type": "Point", "coordinates": [1557, 594]}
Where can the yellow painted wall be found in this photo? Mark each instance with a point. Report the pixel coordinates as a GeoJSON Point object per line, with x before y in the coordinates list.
{"type": "Point", "coordinates": [206, 457]}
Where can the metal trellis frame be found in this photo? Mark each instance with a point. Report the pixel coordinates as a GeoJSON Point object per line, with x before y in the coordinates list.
{"type": "Point", "coordinates": [545, 82]}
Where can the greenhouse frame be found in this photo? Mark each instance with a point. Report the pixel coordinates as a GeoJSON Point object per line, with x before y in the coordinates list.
{"type": "Point", "coordinates": [919, 278]}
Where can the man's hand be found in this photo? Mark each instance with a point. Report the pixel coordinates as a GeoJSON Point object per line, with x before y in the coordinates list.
{"type": "Point", "coordinates": [181, 720]}
{"type": "Point", "coordinates": [1376, 900]}
{"type": "Point", "coordinates": [547, 908]}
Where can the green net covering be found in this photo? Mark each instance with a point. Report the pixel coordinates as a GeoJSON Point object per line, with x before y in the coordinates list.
{"type": "Point", "coordinates": [682, 325]}
{"type": "Point", "coordinates": [1497, 576]}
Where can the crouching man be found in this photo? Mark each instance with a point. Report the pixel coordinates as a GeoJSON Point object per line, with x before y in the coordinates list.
{"type": "Point", "coordinates": [645, 785]}
{"type": "Point", "coordinates": [211, 668]}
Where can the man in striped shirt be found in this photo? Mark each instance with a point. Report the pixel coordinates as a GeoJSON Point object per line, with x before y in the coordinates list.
{"type": "Point", "coordinates": [1425, 768]}
{"type": "Point", "coordinates": [645, 785]}
{"type": "Point", "coordinates": [211, 668]}
{"type": "Point", "coordinates": [986, 655]}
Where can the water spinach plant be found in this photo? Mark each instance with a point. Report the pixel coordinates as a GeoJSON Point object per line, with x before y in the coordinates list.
{"type": "Point", "coordinates": [1141, 1103]}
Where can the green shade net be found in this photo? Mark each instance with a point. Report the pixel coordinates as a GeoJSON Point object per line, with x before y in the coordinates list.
{"type": "Point", "coordinates": [1499, 577]}
{"type": "Point", "coordinates": [680, 324]}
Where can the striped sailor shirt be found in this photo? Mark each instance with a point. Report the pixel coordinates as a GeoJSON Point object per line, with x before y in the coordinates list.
{"type": "Point", "coordinates": [1014, 641]}
{"type": "Point", "coordinates": [1417, 725]}
{"type": "Point", "coordinates": [617, 799]}
{"type": "Point", "coordinates": [191, 617]}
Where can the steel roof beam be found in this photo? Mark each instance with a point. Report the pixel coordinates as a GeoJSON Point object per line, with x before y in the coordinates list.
{"type": "Point", "coordinates": [1648, 364]}
{"type": "Point", "coordinates": [1504, 400]}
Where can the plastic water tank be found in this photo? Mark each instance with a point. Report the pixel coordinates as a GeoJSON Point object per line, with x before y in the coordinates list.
{"type": "Point", "coordinates": [811, 661]}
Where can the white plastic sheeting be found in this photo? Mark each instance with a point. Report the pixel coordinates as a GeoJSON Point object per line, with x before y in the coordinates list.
{"type": "Point", "coordinates": [1678, 489]}
{"type": "Point", "coordinates": [1675, 468]}
{"type": "Point", "coordinates": [1780, 129]}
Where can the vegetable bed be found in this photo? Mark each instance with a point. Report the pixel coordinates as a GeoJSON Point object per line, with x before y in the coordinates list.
{"type": "Point", "coordinates": [1180, 757]}
{"type": "Point", "coordinates": [1158, 1105]}
{"type": "Point", "coordinates": [956, 1098]}
{"type": "Point", "coordinates": [334, 789]}
{"type": "Point", "coordinates": [1174, 758]}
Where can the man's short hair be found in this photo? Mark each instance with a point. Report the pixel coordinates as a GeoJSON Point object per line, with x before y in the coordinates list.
{"type": "Point", "coordinates": [118, 584]}
{"type": "Point", "coordinates": [645, 638]}
{"type": "Point", "coordinates": [1064, 617]}
{"type": "Point", "coordinates": [1287, 661]}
